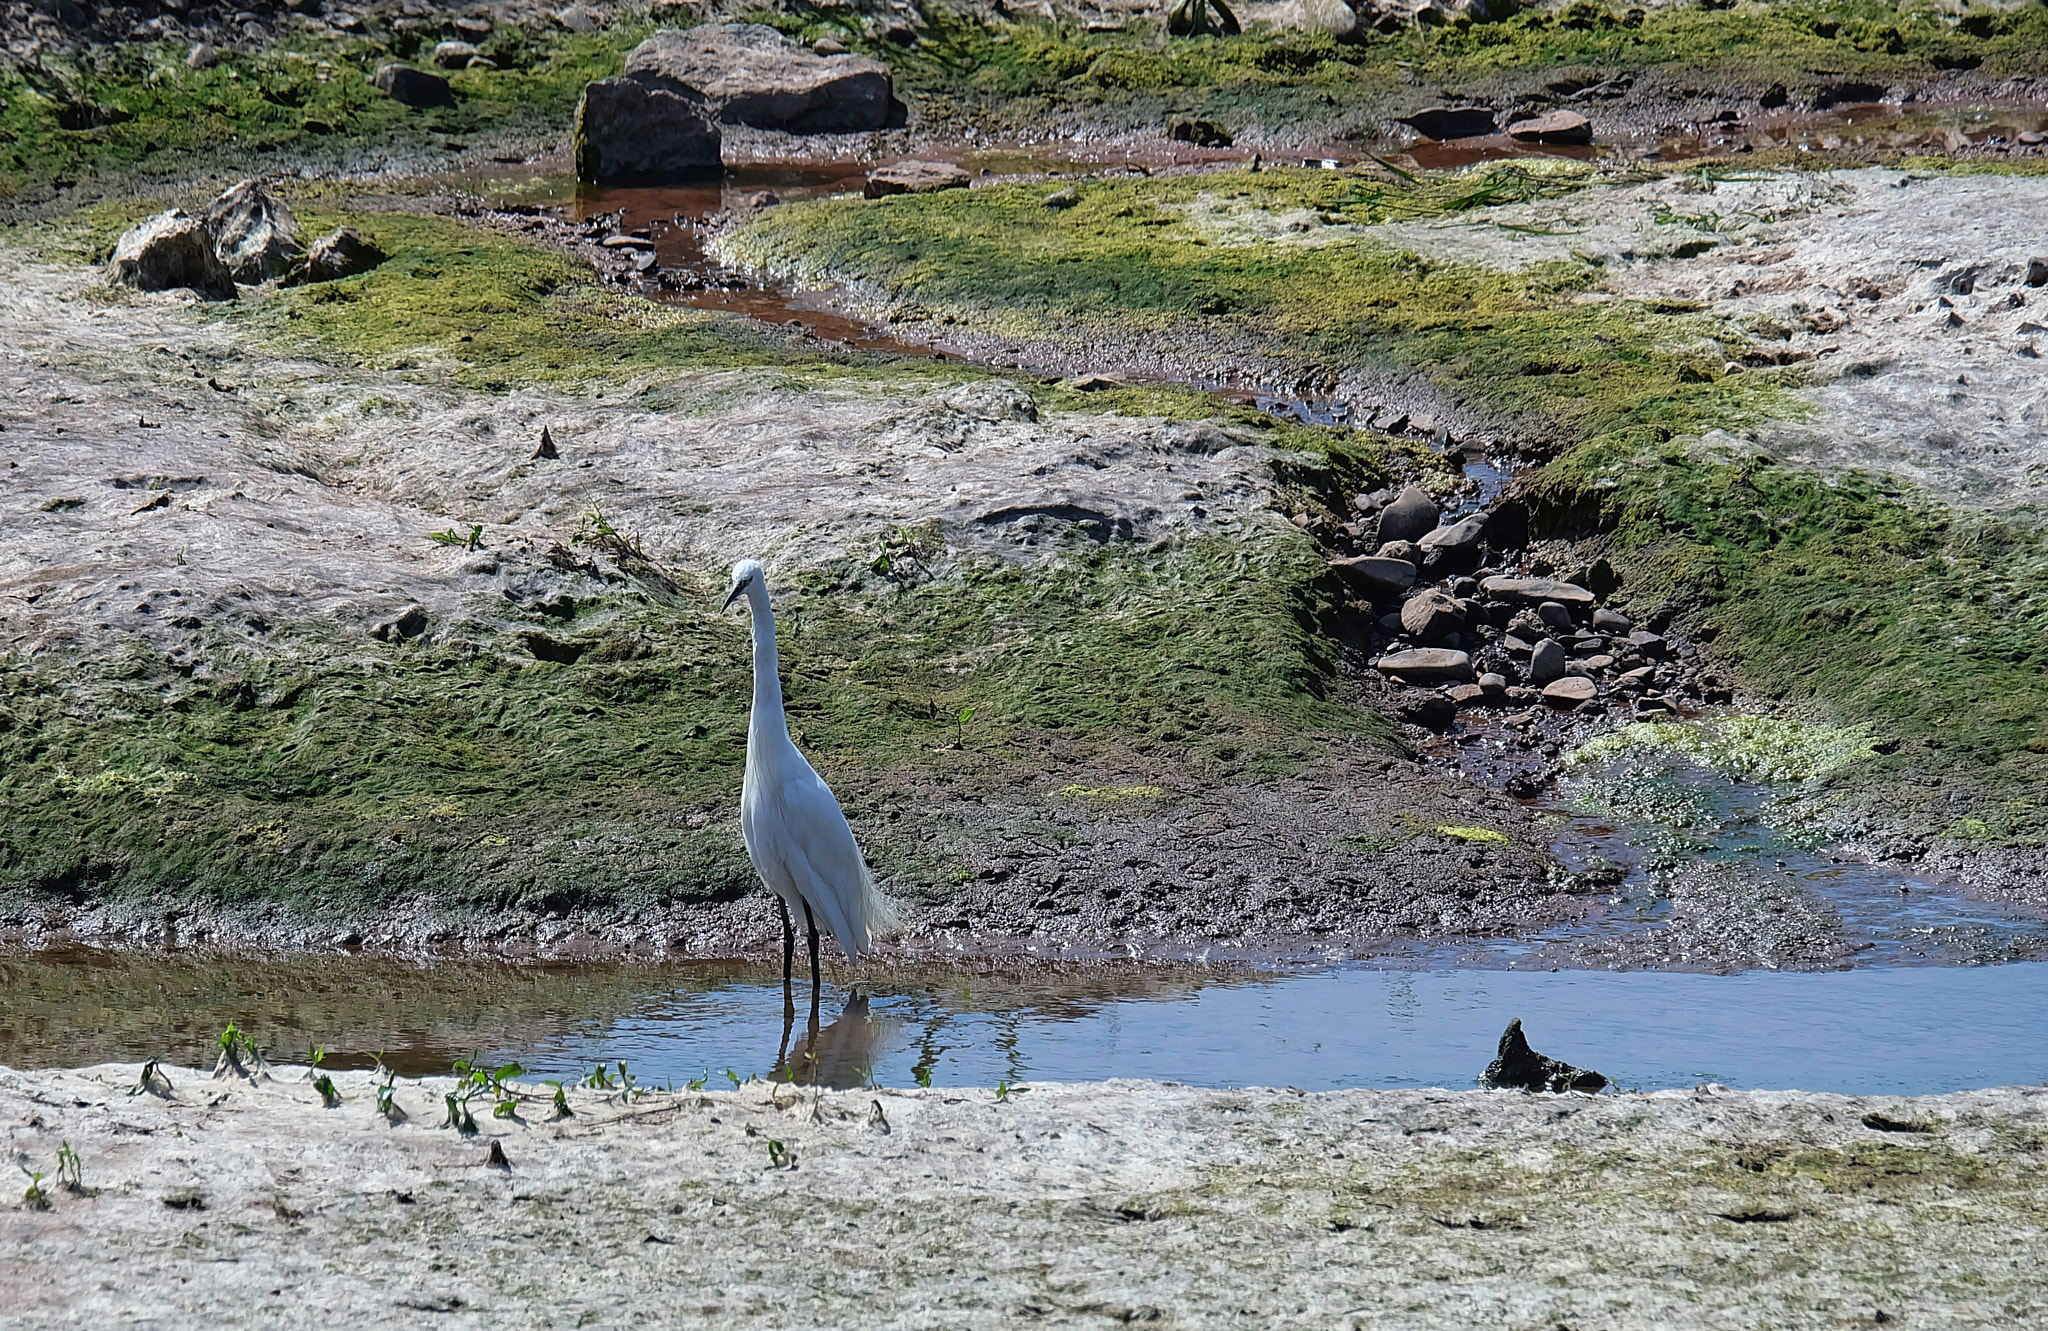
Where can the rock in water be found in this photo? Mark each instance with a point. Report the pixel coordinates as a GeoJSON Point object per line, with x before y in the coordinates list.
{"type": "Point", "coordinates": [1408, 518]}
{"type": "Point", "coordinates": [643, 129]}
{"type": "Point", "coordinates": [1451, 122]}
{"type": "Point", "coordinates": [914, 178]}
{"type": "Point", "coordinates": [1556, 127]}
{"type": "Point", "coordinates": [342, 252]}
{"type": "Point", "coordinates": [1517, 1067]}
{"type": "Point", "coordinates": [169, 251]}
{"type": "Point", "coordinates": [547, 449]}
{"type": "Point", "coordinates": [751, 74]}
{"type": "Point", "coordinates": [412, 87]}
{"type": "Point", "coordinates": [254, 233]}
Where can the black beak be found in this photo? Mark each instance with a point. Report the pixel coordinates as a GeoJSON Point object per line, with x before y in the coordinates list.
{"type": "Point", "coordinates": [732, 596]}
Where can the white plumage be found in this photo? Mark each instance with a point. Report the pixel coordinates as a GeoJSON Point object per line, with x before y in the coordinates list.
{"type": "Point", "coordinates": [795, 833]}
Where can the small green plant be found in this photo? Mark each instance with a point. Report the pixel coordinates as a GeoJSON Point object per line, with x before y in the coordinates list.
{"type": "Point", "coordinates": [33, 1196]}
{"type": "Point", "coordinates": [960, 722]}
{"type": "Point", "coordinates": [70, 1175]}
{"type": "Point", "coordinates": [562, 1109]}
{"type": "Point", "coordinates": [473, 541]}
{"type": "Point", "coordinates": [733, 1077]}
{"type": "Point", "coordinates": [387, 1104]}
{"type": "Point", "coordinates": [780, 1156]}
{"type": "Point", "coordinates": [698, 1084]}
{"type": "Point", "coordinates": [600, 1079]}
{"type": "Point", "coordinates": [239, 1055]}
{"type": "Point", "coordinates": [1004, 1090]}
{"type": "Point", "coordinates": [924, 1075]}
{"type": "Point", "coordinates": [329, 1097]}
{"type": "Point", "coordinates": [319, 1056]}
{"type": "Point", "coordinates": [459, 1117]}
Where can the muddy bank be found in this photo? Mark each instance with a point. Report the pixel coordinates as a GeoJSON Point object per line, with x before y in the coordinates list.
{"type": "Point", "coordinates": [231, 1203]}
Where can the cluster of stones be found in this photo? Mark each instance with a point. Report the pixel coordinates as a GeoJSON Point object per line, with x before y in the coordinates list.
{"type": "Point", "coordinates": [1468, 624]}
{"type": "Point", "coordinates": [246, 236]}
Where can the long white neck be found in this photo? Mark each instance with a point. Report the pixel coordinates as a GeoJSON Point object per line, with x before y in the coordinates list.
{"type": "Point", "coordinates": [767, 717]}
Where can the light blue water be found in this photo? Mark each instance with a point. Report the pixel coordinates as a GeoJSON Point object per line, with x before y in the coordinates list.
{"type": "Point", "coordinates": [1890, 1031]}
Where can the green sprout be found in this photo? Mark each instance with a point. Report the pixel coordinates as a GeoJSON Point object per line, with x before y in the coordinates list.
{"type": "Point", "coordinates": [473, 541]}
{"type": "Point", "coordinates": [33, 1196]}
{"type": "Point", "coordinates": [923, 1073]}
{"type": "Point", "coordinates": [966, 715]}
{"type": "Point", "coordinates": [328, 1095]}
{"type": "Point", "coordinates": [780, 1156]}
{"type": "Point", "coordinates": [70, 1175]}
{"type": "Point", "coordinates": [387, 1104]}
{"type": "Point", "coordinates": [733, 1077]}
{"type": "Point", "coordinates": [600, 1079]}
{"type": "Point", "coordinates": [698, 1084]}
{"type": "Point", "coordinates": [562, 1109]}
{"type": "Point", "coordinates": [1004, 1091]}
{"type": "Point", "coordinates": [459, 1117]}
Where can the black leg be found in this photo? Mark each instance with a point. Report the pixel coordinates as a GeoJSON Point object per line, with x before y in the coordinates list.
{"type": "Point", "coordinates": [811, 926]}
{"type": "Point", "coordinates": [788, 946]}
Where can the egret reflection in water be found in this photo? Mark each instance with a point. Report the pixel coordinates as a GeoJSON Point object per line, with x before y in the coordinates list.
{"type": "Point", "coordinates": [841, 1055]}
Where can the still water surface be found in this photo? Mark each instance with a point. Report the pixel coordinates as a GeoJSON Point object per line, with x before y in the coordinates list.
{"type": "Point", "coordinates": [1902, 1030]}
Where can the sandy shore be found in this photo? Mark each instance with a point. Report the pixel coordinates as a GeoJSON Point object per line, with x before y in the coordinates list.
{"type": "Point", "coordinates": [232, 1203]}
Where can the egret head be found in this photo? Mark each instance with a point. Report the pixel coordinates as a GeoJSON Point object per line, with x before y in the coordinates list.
{"type": "Point", "coordinates": [747, 573]}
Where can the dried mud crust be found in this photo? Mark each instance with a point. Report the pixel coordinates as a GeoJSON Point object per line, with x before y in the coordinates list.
{"type": "Point", "coordinates": [234, 1202]}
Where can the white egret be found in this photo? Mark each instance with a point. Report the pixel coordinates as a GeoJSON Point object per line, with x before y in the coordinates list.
{"type": "Point", "coordinates": [795, 833]}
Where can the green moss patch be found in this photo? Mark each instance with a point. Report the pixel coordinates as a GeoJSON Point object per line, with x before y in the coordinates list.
{"type": "Point", "coordinates": [1754, 747]}
{"type": "Point", "coordinates": [137, 106]}
{"type": "Point", "coordinates": [1274, 265]}
{"type": "Point", "coordinates": [1018, 75]}
{"type": "Point", "coordinates": [337, 781]}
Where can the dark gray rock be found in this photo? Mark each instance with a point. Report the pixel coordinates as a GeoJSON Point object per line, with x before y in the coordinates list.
{"type": "Point", "coordinates": [1407, 551]}
{"type": "Point", "coordinates": [1517, 1067]}
{"type": "Point", "coordinates": [1451, 122]}
{"type": "Point", "coordinates": [1507, 526]}
{"type": "Point", "coordinates": [454, 55]}
{"type": "Point", "coordinates": [1455, 548]}
{"type": "Point", "coordinates": [1611, 621]}
{"type": "Point", "coordinates": [343, 252]}
{"type": "Point", "coordinates": [1432, 615]}
{"type": "Point", "coordinates": [1380, 579]}
{"type": "Point", "coordinates": [751, 74]}
{"type": "Point", "coordinates": [1546, 662]}
{"type": "Point", "coordinates": [1409, 517]}
{"type": "Point", "coordinates": [172, 251]}
{"type": "Point", "coordinates": [1431, 710]}
{"type": "Point", "coordinates": [2037, 272]}
{"type": "Point", "coordinates": [1555, 616]}
{"type": "Point", "coordinates": [412, 87]}
{"type": "Point", "coordinates": [642, 129]}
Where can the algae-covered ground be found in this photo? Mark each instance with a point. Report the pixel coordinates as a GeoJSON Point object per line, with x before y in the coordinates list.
{"type": "Point", "coordinates": [1867, 596]}
{"type": "Point", "coordinates": [298, 629]}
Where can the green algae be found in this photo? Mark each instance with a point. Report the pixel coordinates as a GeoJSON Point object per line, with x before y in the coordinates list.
{"type": "Point", "coordinates": [1153, 260]}
{"type": "Point", "coordinates": [1747, 746]}
{"type": "Point", "coordinates": [136, 107]}
{"type": "Point", "coordinates": [1018, 75]}
{"type": "Point", "coordinates": [334, 782]}
{"type": "Point", "coordinates": [1852, 593]}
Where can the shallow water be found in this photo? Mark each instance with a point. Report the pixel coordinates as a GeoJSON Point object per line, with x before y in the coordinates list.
{"type": "Point", "coordinates": [1884, 1030]}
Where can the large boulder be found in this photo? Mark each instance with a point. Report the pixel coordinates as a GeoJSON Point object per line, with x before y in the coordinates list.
{"type": "Point", "coordinates": [253, 233]}
{"type": "Point", "coordinates": [750, 74]}
{"type": "Point", "coordinates": [412, 87]}
{"type": "Point", "coordinates": [1408, 518]}
{"type": "Point", "coordinates": [1451, 122]}
{"type": "Point", "coordinates": [643, 129]}
{"type": "Point", "coordinates": [167, 252]}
